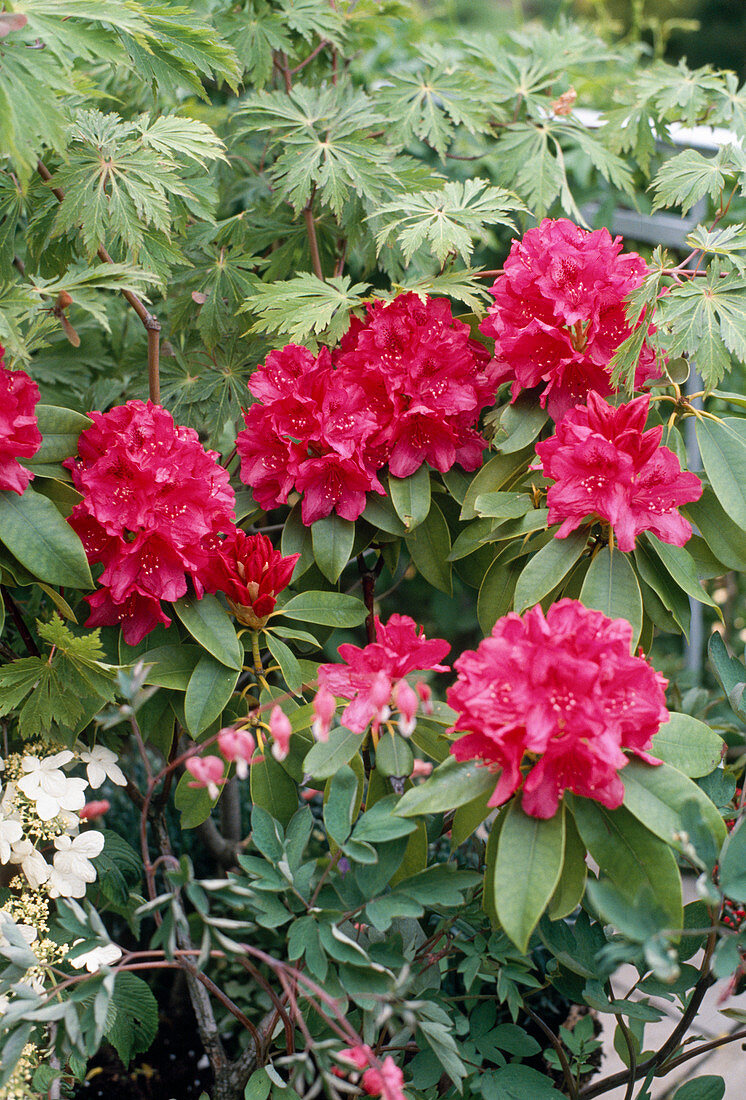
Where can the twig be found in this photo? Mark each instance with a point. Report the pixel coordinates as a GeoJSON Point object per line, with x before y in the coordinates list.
{"type": "Point", "coordinates": [313, 243]}
{"type": "Point", "coordinates": [21, 627]}
{"type": "Point", "coordinates": [152, 324]}
{"type": "Point", "coordinates": [703, 1048]}
{"type": "Point", "coordinates": [572, 1090]}
{"type": "Point", "coordinates": [606, 1084]}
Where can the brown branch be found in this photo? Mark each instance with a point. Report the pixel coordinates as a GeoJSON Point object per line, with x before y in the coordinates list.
{"type": "Point", "coordinates": [657, 1060]}
{"type": "Point", "coordinates": [21, 627]}
{"type": "Point", "coordinates": [313, 243]}
{"type": "Point", "coordinates": [314, 53]}
{"type": "Point", "coordinates": [151, 324]}
{"type": "Point", "coordinates": [572, 1089]}
{"type": "Point", "coordinates": [703, 1048]}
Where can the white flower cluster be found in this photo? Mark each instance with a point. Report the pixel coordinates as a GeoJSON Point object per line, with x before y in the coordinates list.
{"type": "Point", "coordinates": [39, 822]}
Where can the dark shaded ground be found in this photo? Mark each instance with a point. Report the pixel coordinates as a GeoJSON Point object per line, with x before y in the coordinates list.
{"type": "Point", "coordinates": [173, 1069]}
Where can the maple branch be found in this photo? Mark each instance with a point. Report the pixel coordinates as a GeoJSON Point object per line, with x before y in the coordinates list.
{"type": "Point", "coordinates": [151, 324]}
{"type": "Point", "coordinates": [313, 243]}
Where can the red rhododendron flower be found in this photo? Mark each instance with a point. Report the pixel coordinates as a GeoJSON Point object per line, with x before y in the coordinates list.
{"type": "Point", "coordinates": [559, 313]}
{"type": "Point", "coordinates": [251, 573]}
{"type": "Point", "coordinates": [153, 503]}
{"type": "Point", "coordinates": [19, 432]}
{"type": "Point", "coordinates": [603, 463]}
{"type": "Point", "coordinates": [371, 675]}
{"type": "Point", "coordinates": [426, 379]}
{"type": "Point", "coordinates": [406, 386]}
{"type": "Point", "coordinates": [560, 698]}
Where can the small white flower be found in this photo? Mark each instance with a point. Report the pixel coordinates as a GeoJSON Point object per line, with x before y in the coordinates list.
{"type": "Point", "coordinates": [96, 958]}
{"type": "Point", "coordinates": [33, 864]}
{"type": "Point", "coordinates": [10, 831]}
{"type": "Point", "coordinates": [102, 764]}
{"type": "Point", "coordinates": [72, 867]}
{"type": "Point", "coordinates": [49, 788]}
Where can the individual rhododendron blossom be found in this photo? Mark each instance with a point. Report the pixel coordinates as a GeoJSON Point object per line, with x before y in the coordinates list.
{"type": "Point", "coordinates": [154, 502]}
{"type": "Point", "coordinates": [237, 747]}
{"type": "Point", "coordinates": [208, 772]}
{"type": "Point", "coordinates": [552, 702]}
{"type": "Point", "coordinates": [251, 573]}
{"type": "Point", "coordinates": [559, 314]}
{"type": "Point", "coordinates": [372, 675]}
{"type": "Point", "coordinates": [406, 386]}
{"type": "Point", "coordinates": [19, 432]}
{"type": "Point", "coordinates": [605, 464]}
{"type": "Point", "coordinates": [281, 730]}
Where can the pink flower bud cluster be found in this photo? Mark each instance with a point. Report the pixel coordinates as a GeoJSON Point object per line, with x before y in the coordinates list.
{"type": "Point", "coordinates": [154, 502]}
{"type": "Point", "coordinates": [373, 679]}
{"type": "Point", "coordinates": [19, 432]}
{"type": "Point", "coordinates": [552, 703]}
{"type": "Point", "coordinates": [406, 386]}
{"type": "Point", "coordinates": [604, 463]}
{"type": "Point", "coordinates": [560, 313]}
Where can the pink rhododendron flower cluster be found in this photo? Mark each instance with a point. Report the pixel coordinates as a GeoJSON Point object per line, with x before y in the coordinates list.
{"type": "Point", "coordinates": [154, 502]}
{"type": "Point", "coordinates": [373, 678]}
{"type": "Point", "coordinates": [250, 572]}
{"type": "Point", "coordinates": [605, 464]}
{"type": "Point", "coordinates": [406, 386]}
{"type": "Point", "coordinates": [559, 313]}
{"type": "Point", "coordinates": [19, 432]}
{"type": "Point", "coordinates": [559, 697]}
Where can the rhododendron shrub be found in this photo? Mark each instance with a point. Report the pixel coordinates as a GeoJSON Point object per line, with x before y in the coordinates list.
{"type": "Point", "coordinates": [19, 432]}
{"type": "Point", "coordinates": [356, 724]}
{"type": "Point", "coordinates": [604, 463]}
{"type": "Point", "coordinates": [559, 698]}
{"type": "Point", "coordinates": [153, 502]}
{"type": "Point", "coordinates": [559, 313]}
{"type": "Point", "coordinates": [405, 387]}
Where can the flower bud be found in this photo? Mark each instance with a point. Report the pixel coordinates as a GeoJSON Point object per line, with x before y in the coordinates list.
{"type": "Point", "coordinates": [281, 730]}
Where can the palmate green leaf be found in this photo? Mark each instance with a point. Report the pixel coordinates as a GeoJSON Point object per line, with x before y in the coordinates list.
{"type": "Point", "coordinates": [531, 162]}
{"type": "Point", "coordinates": [686, 178]}
{"type": "Point", "coordinates": [706, 318]}
{"type": "Point", "coordinates": [303, 305]}
{"type": "Point", "coordinates": [178, 48]}
{"type": "Point", "coordinates": [727, 242]}
{"type": "Point", "coordinates": [255, 34]}
{"type": "Point", "coordinates": [445, 221]}
{"type": "Point", "coordinates": [314, 18]}
{"type": "Point", "coordinates": [120, 176]}
{"type": "Point", "coordinates": [460, 284]}
{"type": "Point", "coordinates": [325, 143]}
{"type": "Point", "coordinates": [430, 104]}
